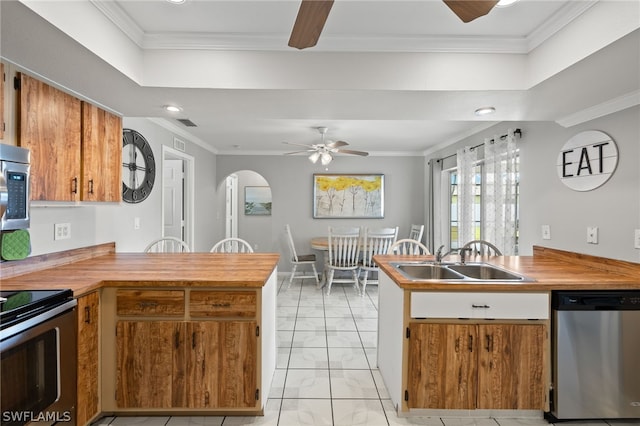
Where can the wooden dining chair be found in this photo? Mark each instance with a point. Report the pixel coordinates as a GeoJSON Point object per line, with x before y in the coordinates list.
{"type": "Point", "coordinates": [407, 246]}
{"type": "Point", "coordinates": [375, 241]}
{"type": "Point", "coordinates": [300, 260]}
{"type": "Point", "coordinates": [343, 255]}
{"type": "Point", "coordinates": [482, 248]}
{"type": "Point", "coordinates": [167, 245]}
{"type": "Point", "coordinates": [232, 245]}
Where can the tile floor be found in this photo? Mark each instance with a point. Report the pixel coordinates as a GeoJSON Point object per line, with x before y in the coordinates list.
{"type": "Point", "coordinates": [326, 371]}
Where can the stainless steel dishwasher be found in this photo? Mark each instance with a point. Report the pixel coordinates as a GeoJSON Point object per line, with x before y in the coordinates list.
{"type": "Point", "coordinates": [596, 352]}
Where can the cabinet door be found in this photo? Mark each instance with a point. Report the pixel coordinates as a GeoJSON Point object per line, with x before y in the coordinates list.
{"type": "Point", "coordinates": [511, 366]}
{"type": "Point", "coordinates": [101, 154]}
{"type": "Point", "coordinates": [150, 364]}
{"type": "Point", "coordinates": [442, 366]}
{"type": "Point", "coordinates": [88, 358]}
{"type": "Point", "coordinates": [2, 119]}
{"type": "Point", "coordinates": [221, 365]}
{"type": "Point", "coordinates": [49, 124]}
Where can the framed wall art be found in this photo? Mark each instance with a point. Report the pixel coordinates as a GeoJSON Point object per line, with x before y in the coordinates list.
{"type": "Point", "coordinates": [348, 196]}
{"type": "Point", "coordinates": [257, 200]}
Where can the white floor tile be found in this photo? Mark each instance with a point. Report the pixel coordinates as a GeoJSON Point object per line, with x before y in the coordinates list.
{"type": "Point", "coordinates": [310, 324]}
{"type": "Point", "coordinates": [309, 358]}
{"type": "Point", "coordinates": [354, 384]}
{"type": "Point", "coordinates": [340, 324]}
{"type": "Point", "coordinates": [277, 384]}
{"type": "Point", "coordinates": [307, 384]}
{"type": "Point", "coordinates": [538, 422]}
{"type": "Point", "coordinates": [270, 418]}
{"type": "Point", "coordinates": [343, 339]}
{"type": "Point", "coordinates": [358, 412]}
{"type": "Point", "coordinates": [309, 339]}
{"type": "Point", "coordinates": [347, 358]}
{"type": "Point", "coordinates": [313, 412]}
{"type": "Point", "coordinates": [468, 421]}
{"type": "Point", "coordinates": [140, 421]}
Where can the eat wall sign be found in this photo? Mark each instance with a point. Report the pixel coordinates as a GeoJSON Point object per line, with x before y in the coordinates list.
{"type": "Point", "coordinates": [587, 160]}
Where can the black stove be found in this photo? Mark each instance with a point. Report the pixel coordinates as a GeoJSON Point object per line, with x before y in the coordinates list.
{"type": "Point", "coordinates": [19, 305]}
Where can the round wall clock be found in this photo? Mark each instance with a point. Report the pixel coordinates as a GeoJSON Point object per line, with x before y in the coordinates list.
{"type": "Point", "coordinates": [139, 167]}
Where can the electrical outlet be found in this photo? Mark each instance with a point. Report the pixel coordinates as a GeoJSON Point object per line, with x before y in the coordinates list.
{"type": "Point", "coordinates": [136, 223]}
{"type": "Point", "coordinates": [636, 239]}
{"type": "Point", "coordinates": [61, 231]}
{"type": "Point", "coordinates": [546, 232]}
{"type": "Point", "coordinates": [592, 234]}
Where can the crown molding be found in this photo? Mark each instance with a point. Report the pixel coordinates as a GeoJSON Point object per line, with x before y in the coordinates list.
{"type": "Point", "coordinates": [616, 104]}
{"type": "Point", "coordinates": [555, 23]}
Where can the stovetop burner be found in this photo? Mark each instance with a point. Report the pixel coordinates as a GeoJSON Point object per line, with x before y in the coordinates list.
{"type": "Point", "coordinates": [17, 305]}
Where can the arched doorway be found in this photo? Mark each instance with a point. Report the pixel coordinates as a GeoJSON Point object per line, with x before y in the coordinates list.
{"type": "Point", "coordinates": [248, 210]}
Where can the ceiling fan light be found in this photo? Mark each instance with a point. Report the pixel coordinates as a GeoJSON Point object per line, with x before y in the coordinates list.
{"type": "Point", "coordinates": [314, 157]}
{"type": "Point", "coordinates": [505, 3]}
{"type": "Point", "coordinates": [326, 158]}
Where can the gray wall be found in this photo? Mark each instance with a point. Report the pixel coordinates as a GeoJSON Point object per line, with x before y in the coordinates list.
{"type": "Point", "coordinates": [613, 207]}
{"type": "Point", "coordinates": [95, 223]}
{"type": "Point", "coordinates": [291, 182]}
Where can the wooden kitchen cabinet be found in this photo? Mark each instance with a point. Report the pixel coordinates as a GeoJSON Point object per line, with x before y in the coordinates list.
{"type": "Point", "coordinates": [3, 120]}
{"type": "Point", "coordinates": [49, 126]}
{"type": "Point", "coordinates": [101, 154]}
{"type": "Point", "coordinates": [205, 360]}
{"type": "Point", "coordinates": [76, 147]}
{"type": "Point", "coordinates": [469, 366]}
{"type": "Point", "coordinates": [88, 387]}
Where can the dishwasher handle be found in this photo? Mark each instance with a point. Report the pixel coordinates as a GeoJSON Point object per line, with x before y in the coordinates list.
{"type": "Point", "coordinates": [596, 300]}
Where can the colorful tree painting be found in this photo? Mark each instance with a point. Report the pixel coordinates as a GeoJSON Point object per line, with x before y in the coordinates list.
{"type": "Point", "coordinates": [348, 196]}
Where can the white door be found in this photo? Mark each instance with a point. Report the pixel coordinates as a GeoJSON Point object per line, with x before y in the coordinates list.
{"type": "Point", "coordinates": [173, 187]}
{"type": "Point", "coordinates": [231, 206]}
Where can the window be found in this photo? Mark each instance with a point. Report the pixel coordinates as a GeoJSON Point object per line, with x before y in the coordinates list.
{"type": "Point", "coordinates": [478, 203]}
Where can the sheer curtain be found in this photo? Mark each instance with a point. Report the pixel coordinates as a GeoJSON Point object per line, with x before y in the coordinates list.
{"type": "Point", "coordinates": [466, 162]}
{"type": "Point", "coordinates": [500, 186]}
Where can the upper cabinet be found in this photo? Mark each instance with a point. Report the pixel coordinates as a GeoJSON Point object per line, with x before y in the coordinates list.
{"type": "Point", "coordinates": [2, 119]}
{"type": "Point", "coordinates": [101, 154]}
{"type": "Point", "coordinates": [76, 148]}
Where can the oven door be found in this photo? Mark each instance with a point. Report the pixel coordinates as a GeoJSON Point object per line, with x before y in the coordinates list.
{"type": "Point", "coordinates": [38, 371]}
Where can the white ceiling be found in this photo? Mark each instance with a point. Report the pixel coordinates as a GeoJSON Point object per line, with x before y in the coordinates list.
{"type": "Point", "coordinates": [391, 77]}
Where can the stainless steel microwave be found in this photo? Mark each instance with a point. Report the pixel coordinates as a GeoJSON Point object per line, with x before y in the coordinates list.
{"type": "Point", "coordinates": [14, 187]}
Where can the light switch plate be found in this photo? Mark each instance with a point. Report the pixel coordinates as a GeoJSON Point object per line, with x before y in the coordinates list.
{"type": "Point", "coordinates": [592, 234]}
{"type": "Point", "coordinates": [546, 232]}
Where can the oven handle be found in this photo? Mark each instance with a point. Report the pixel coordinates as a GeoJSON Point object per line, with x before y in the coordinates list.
{"type": "Point", "coordinates": [38, 319]}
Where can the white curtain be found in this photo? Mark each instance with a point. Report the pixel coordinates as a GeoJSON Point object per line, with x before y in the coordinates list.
{"type": "Point", "coordinates": [499, 216]}
{"type": "Point", "coordinates": [466, 162]}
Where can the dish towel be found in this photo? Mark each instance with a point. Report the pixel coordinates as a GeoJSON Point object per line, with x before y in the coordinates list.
{"type": "Point", "coordinates": [15, 245]}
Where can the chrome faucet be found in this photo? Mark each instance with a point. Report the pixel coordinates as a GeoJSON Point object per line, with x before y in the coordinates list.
{"type": "Point", "coordinates": [439, 254]}
{"type": "Point", "coordinates": [462, 252]}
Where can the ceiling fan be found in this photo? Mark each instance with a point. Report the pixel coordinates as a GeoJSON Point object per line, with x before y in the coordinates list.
{"type": "Point", "coordinates": [323, 151]}
{"type": "Point", "coordinates": [313, 14]}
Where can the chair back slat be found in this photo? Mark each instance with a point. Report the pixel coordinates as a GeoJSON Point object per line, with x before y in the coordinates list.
{"type": "Point", "coordinates": [167, 245]}
{"type": "Point", "coordinates": [408, 247]}
{"type": "Point", "coordinates": [344, 247]}
{"type": "Point", "coordinates": [377, 241]}
{"type": "Point", "coordinates": [416, 232]}
{"type": "Point", "coordinates": [232, 245]}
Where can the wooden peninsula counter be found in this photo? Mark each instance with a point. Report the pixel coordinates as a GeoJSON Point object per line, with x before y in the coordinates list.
{"type": "Point", "coordinates": [180, 333]}
{"type": "Point", "coordinates": [480, 349]}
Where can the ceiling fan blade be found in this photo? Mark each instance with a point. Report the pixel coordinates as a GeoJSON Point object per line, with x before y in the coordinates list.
{"type": "Point", "coordinates": [336, 144]}
{"type": "Point", "coordinates": [468, 10]}
{"type": "Point", "coordinates": [350, 151]}
{"type": "Point", "coordinates": [311, 148]}
{"type": "Point", "coordinates": [309, 23]}
{"type": "Point", "coordinates": [300, 152]}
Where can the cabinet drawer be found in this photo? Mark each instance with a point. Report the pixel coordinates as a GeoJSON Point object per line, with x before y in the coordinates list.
{"type": "Point", "coordinates": [223, 304]}
{"type": "Point", "coordinates": [480, 305]}
{"type": "Point", "coordinates": [150, 302]}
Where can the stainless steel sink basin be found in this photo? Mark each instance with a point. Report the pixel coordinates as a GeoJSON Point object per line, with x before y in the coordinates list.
{"type": "Point", "coordinates": [485, 272]}
{"type": "Point", "coordinates": [428, 271]}
{"type": "Point", "coordinates": [457, 272]}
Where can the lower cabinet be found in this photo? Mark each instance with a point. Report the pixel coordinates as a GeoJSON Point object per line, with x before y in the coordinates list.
{"type": "Point", "coordinates": [194, 349]}
{"type": "Point", "coordinates": [171, 364]}
{"type": "Point", "coordinates": [88, 390]}
{"type": "Point", "coordinates": [469, 366]}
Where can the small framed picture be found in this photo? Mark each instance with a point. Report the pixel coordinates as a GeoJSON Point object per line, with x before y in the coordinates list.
{"type": "Point", "coordinates": [257, 200]}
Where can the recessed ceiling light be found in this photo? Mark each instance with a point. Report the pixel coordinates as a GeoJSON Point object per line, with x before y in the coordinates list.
{"type": "Point", "coordinates": [505, 3]}
{"type": "Point", "coordinates": [172, 108]}
{"type": "Point", "coordinates": [485, 111]}
{"type": "Point", "coordinates": [176, 1]}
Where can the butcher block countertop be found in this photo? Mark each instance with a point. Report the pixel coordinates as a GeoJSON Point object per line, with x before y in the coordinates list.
{"type": "Point", "coordinates": [550, 268]}
{"type": "Point", "coordinates": [88, 269]}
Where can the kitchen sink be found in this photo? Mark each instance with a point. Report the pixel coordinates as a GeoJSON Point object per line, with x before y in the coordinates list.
{"type": "Point", "coordinates": [428, 271]}
{"type": "Point", "coordinates": [457, 272]}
